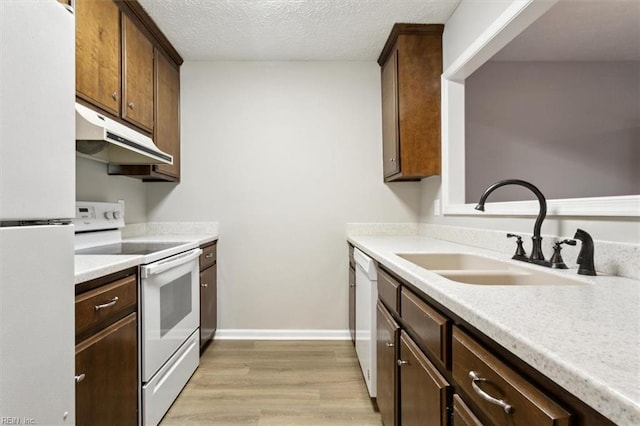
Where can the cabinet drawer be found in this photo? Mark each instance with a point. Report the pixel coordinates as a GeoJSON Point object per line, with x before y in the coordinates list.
{"type": "Point", "coordinates": [388, 289]}
{"type": "Point", "coordinates": [208, 256]}
{"type": "Point", "coordinates": [462, 415]}
{"type": "Point", "coordinates": [520, 402]}
{"type": "Point", "coordinates": [105, 304]}
{"type": "Point", "coordinates": [429, 327]}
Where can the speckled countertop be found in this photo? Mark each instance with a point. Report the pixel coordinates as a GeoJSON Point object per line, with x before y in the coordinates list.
{"type": "Point", "coordinates": [586, 338]}
{"type": "Point", "coordinates": [88, 267]}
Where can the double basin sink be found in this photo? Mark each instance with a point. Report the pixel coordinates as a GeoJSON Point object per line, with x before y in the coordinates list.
{"type": "Point", "coordinates": [480, 270]}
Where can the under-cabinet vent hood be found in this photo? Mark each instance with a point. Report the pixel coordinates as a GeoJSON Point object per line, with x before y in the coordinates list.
{"type": "Point", "coordinates": [103, 139]}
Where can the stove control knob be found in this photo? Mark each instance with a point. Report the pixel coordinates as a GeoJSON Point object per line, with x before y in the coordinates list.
{"type": "Point", "coordinates": [109, 215]}
{"type": "Point", "coordinates": [116, 214]}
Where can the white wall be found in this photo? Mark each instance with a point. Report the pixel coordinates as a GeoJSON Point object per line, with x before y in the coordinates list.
{"type": "Point", "coordinates": [283, 155]}
{"type": "Point", "coordinates": [94, 184]}
{"type": "Point", "coordinates": [467, 22]}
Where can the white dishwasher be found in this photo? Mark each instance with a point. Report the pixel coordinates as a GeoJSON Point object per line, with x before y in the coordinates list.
{"type": "Point", "coordinates": [366, 297]}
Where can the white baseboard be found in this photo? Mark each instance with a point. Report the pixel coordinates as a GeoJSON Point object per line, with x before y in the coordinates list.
{"type": "Point", "coordinates": [266, 334]}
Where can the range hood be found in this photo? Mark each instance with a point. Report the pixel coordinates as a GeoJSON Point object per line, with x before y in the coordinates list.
{"type": "Point", "coordinates": [103, 139]}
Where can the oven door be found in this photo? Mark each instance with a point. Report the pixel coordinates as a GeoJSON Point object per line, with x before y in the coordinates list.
{"type": "Point", "coordinates": [170, 308]}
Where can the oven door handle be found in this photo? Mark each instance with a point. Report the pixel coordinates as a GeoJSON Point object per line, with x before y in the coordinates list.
{"type": "Point", "coordinates": [172, 262]}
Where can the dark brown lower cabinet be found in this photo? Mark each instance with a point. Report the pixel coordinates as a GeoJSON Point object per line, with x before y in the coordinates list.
{"type": "Point", "coordinates": [423, 390]}
{"type": "Point", "coordinates": [462, 415]}
{"type": "Point", "coordinates": [208, 304]}
{"type": "Point", "coordinates": [387, 368]}
{"type": "Point", "coordinates": [107, 376]}
{"type": "Point", "coordinates": [208, 293]}
{"type": "Point", "coordinates": [352, 304]}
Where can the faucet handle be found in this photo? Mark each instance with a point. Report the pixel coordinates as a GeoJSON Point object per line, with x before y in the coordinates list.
{"type": "Point", "coordinates": [556, 260]}
{"type": "Point", "coordinates": [520, 253]}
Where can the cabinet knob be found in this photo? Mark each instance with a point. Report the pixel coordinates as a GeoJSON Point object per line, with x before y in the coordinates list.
{"type": "Point", "coordinates": [389, 345]}
{"type": "Point", "coordinates": [393, 160]}
{"type": "Point", "coordinates": [132, 105]}
{"type": "Point", "coordinates": [209, 256]}
{"type": "Point", "coordinates": [79, 378]}
{"type": "Point", "coordinates": [114, 95]}
{"type": "Point", "coordinates": [204, 285]}
{"type": "Point", "coordinates": [402, 362]}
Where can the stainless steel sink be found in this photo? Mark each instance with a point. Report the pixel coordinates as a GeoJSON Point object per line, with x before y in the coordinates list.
{"type": "Point", "coordinates": [480, 270]}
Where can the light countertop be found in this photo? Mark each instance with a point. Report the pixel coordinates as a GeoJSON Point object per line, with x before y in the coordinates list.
{"type": "Point", "coordinates": [586, 338]}
{"type": "Point", "coordinates": [88, 267]}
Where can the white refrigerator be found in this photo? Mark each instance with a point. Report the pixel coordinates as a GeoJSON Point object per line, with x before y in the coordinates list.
{"type": "Point", "coordinates": [37, 192]}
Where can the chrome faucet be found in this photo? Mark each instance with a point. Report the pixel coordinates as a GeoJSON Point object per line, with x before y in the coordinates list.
{"type": "Point", "coordinates": [536, 252]}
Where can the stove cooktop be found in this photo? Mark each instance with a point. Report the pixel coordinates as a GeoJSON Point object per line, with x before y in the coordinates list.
{"type": "Point", "coordinates": [131, 248]}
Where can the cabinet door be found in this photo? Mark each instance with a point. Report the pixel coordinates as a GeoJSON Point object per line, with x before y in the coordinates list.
{"type": "Point", "coordinates": [107, 394]}
{"type": "Point", "coordinates": [98, 53]}
{"type": "Point", "coordinates": [352, 304]}
{"type": "Point", "coordinates": [423, 390]}
{"type": "Point", "coordinates": [387, 371]}
{"type": "Point", "coordinates": [208, 304]}
{"type": "Point", "coordinates": [166, 133]}
{"type": "Point", "coordinates": [137, 102]}
{"type": "Point", "coordinates": [462, 415]}
{"type": "Point", "coordinates": [390, 131]}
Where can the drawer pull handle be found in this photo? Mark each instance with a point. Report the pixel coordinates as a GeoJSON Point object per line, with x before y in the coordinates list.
{"type": "Point", "coordinates": [402, 362]}
{"type": "Point", "coordinates": [389, 345]}
{"type": "Point", "coordinates": [482, 394]}
{"type": "Point", "coordinates": [209, 256]}
{"type": "Point", "coordinates": [204, 285]}
{"type": "Point", "coordinates": [106, 305]}
{"type": "Point", "coordinates": [79, 378]}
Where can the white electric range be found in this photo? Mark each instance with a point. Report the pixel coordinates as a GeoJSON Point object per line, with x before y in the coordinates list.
{"type": "Point", "coordinates": [169, 308]}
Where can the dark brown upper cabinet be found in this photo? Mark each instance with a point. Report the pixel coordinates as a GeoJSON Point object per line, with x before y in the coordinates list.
{"type": "Point", "coordinates": [137, 73]}
{"type": "Point", "coordinates": [98, 54]}
{"type": "Point", "coordinates": [411, 63]}
{"type": "Point", "coordinates": [127, 69]}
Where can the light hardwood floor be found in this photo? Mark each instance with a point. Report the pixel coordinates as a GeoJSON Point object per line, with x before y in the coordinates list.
{"type": "Point", "coordinates": [275, 383]}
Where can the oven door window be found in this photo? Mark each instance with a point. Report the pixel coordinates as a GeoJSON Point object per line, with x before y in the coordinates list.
{"type": "Point", "coordinates": [175, 303]}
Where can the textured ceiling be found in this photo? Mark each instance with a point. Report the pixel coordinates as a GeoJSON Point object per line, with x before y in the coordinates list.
{"type": "Point", "coordinates": [325, 30]}
{"type": "Point", "coordinates": [586, 30]}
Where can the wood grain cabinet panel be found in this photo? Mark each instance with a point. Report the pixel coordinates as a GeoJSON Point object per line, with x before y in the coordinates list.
{"type": "Point", "coordinates": [528, 405]}
{"type": "Point", "coordinates": [387, 334]}
{"type": "Point", "coordinates": [462, 415]}
{"type": "Point", "coordinates": [166, 133]}
{"type": "Point", "coordinates": [107, 378]}
{"type": "Point", "coordinates": [98, 53]}
{"type": "Point", "coordinates": [388, 290]}
{"type": "Point", "coordinates": [106, 303]}
{"type": "Point", "coordinates": [137, 102]}
{"type": "Point", "coordinates": [411, 62]}
{"type": "Point", "coordinates": [208, 294]}
{"type": "Point", "coordinates": [430, 328]}
{"type": "Point", "coordinates": [208, 304]}
{"type": "Point", "coordinates": [423, 390]}
{"type": "Point", "coordinates": [352, 304]}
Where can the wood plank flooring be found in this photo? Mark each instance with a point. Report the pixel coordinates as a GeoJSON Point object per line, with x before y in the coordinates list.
{"type": "Point", "coordinates": [275, 383]}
